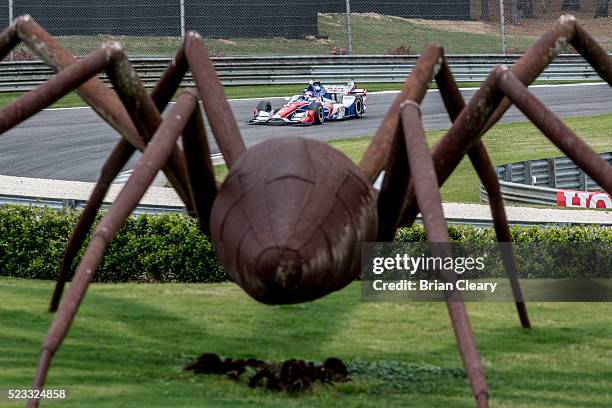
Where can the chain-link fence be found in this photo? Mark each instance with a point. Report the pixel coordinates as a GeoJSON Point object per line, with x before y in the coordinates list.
{"type": "Point", "coordinates": [308, 27]}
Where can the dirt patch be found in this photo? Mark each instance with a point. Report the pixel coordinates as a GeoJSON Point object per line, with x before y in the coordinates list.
{"type": "Point", "coordinates": [600, 28]}
{"type": "Point", "coordinates": [227, 42]}
{"type": "Point", "coordinates": [474, 27]}
{"type": "Point", "coordinates": [290, 375]}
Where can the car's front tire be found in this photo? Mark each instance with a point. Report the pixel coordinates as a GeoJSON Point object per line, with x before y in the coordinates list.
{"type": "Point", "coordinates": [265, 106]}
{"type": "Point", "coordinates": [317, 110]}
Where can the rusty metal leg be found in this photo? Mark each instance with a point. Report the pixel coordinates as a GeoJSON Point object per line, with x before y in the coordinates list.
{"type": "Point", "coordinates": [487, 107]}
{"type": "Point", "coordinates": [454, 103]}
{"type": "Point", "coordinates": [146, 117]}
{"type": "Point", "coordinates": [557, 132]}
{"type": "Point", "coordinates": [462, 135]}
{"type": "Point", "coordinates": [154, 157]}
{"type": "Point", "coordinates": [113, 165]}
{"type": "Point", "coordinates": [218, 110]}
{"type": "Point", "coordinates": [385, 139]}
{"type": "Point", "coordinates": [44, 95]}
{"type": "Point", "coordinates": [8, 40]}
{"type": "Point", "coordinates": [202, 183]}
{"type": "Point", "coordinates": [50, 91]}
{"type": "Point", "coordinates": [429, 200]}
{"type": "Point", "coordinates": [102, 99]}
{"type": "Point", "coordinates": [394, 186]}
{"type": "Point", "coordinates": [590, 49]}
{"type": "Point", "coordinates": [170, 80]}
{"type": "Point", "coordinates": [386, 151]}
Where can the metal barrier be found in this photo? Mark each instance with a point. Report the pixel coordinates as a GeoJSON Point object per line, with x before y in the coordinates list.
{"type": "Point", "coordinates": [475, 221]}
{"type": "Point", "coordinates": [59, 203]}
{"type": "Point", "coordinates": [538, 181]}
{"type": "Point", "coordinates": [25, 75]}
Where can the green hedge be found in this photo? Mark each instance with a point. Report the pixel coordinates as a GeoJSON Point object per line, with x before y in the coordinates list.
{"type": "Point", "coordinates": [169, 248]}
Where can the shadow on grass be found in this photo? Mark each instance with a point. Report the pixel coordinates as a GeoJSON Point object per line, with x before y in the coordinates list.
{"type": "Point", "coordinates": [130, 342]}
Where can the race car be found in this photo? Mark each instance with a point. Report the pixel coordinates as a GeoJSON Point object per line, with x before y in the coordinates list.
{"type": "Point", "coordinates": [317, 104]}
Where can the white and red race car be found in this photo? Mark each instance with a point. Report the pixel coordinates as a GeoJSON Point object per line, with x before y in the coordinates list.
{"type": "Point", "coordinates": [317, 104]}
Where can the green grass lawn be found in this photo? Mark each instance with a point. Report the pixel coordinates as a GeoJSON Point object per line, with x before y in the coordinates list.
{"type": "Point", "coordinates": [258, 91]}
{"type": "Point", "coordinates": [372, 34]}
{"type": "Point", "coordinates": [129, 343]}
{"type": "Point", "coordinates": [527, 143]}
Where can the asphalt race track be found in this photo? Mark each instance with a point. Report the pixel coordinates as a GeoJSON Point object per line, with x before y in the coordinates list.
{"type": "Point", "coordinates": [71, 144]}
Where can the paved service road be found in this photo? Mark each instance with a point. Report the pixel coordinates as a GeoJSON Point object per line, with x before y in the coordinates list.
{"type": "Point", "coordinates": [71, 144]}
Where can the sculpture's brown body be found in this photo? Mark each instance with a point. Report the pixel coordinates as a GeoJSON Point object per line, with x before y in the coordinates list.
{"type": "Point", "coordinates": [289, 220]}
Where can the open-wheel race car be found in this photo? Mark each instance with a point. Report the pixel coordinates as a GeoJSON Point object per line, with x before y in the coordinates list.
{"type": "Point", "coordinates": [317, 104]}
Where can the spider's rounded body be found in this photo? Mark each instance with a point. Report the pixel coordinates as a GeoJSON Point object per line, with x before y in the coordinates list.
{"type": "Point", "coordinates": [289, 220]}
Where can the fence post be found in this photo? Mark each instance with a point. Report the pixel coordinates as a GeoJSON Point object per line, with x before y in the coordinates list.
{"type": "Point", "coordinates": [10, 21]}
{"type": "Point", "coordinates": [349, 31]}
{"type": "Point", "coordinates": [501, 27]}
{"type": "Point", "coordinates": [182, 4]}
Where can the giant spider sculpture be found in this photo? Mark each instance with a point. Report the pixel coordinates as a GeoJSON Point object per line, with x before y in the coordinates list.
{"type": "Point", "coordinates": [288, 220]}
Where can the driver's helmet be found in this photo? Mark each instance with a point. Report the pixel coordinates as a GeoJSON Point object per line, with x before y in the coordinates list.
{"type": "Point", "coordinates": [308, 94]}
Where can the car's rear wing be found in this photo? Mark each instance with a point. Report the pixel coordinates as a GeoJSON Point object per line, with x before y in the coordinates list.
{"type": "Point", "coordinates": [349, 88]}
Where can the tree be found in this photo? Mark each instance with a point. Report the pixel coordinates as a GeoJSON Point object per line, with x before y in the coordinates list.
{"type": "Point", "coordinates": [570, 5]}
{"type": "Point", "coordinates": [484, 10]}
{"type": "Point", "coordinates": [514, 17]}
{"type": "Point", "coordinates": [602, 8]}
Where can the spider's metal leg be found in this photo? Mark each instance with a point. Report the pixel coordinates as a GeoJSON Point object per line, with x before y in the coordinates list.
{"type": "Point", "coordinates": [533, 62]}
{"type": "Point", "coordinates": [395, 183]}
{"type": "Point", "coordinates": [170, 80]}
{"type": "Point", "coordinates": [218, 111]}
{"type": "Point", "coordinates": [558, 133]}
{"type": "Point", "coordinates": [594, 53]}
{"type": "Point", "coordinates": [487, 106]}
{"type": "Point", "coordinates": [465, 130]}
{"type": "Point", "coordinates": [44, 95]}
{"type": "Point", "coordinates": [153, 158]}
{"type": "Point", "coordinates": [8, 40]}
{"type": "Point", "coordinates": [428, 197]}
{"type": "Point", "coordinates": [102, 99]}
{"type": "Point", "coordinates": [146, 117]}
{"type": "Point", "coordinates": [387, 149]}
{"type": "Point", "coordinates": [545, 50]}
{"type": "Point", "coordinates": [203, 186]}
{"type": "Point", "coordinates": [113, 165]}
{"type": "Point", "coordinates": [414, 89]}
{"type": "Point", "coordinates": [50, 91]}
{"type": "Point", "coordinates": [454, 103]}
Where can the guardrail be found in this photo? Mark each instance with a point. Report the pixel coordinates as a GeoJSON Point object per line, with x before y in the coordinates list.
{"type": "Point", "coordinates": [523, 194]}
{"type": "Point", "coordinates": [58, 203]}
{"type": "Point", "coordinates": [539, 181]}
{"type": "Point", "coordinates": [25, 75]}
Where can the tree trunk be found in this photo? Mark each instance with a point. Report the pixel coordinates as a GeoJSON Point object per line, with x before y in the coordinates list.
{"type": "Point", "coordinates": [602, 8]}
{"type": "Point", "coordinates": [484, 7]}
{"type": "Point", "coordinates": [514, 18]}
{"type": "Point", "coordinates": [571, 5]}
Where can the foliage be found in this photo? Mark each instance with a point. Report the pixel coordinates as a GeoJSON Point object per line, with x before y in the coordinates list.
{"type": "Point", "coordinates": [170, 248]}
{"type": "Point", "coordinates": [167, 248]}
{"type": "Point", "coordinates": [401, 50]}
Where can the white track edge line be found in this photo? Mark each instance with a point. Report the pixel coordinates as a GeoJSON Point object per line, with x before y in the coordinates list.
{"type": "Point", "coordinates": [369, 93]}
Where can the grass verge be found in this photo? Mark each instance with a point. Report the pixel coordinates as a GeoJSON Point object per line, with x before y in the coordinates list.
{"type": "Point", "coordinates": [373, 34]}
{"type": "Point", "coordinates": [130, 341]}
{"type": "Point", "coordinates": [505, 142]}
{"type": "Point", "coordinates": [72, 100]}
